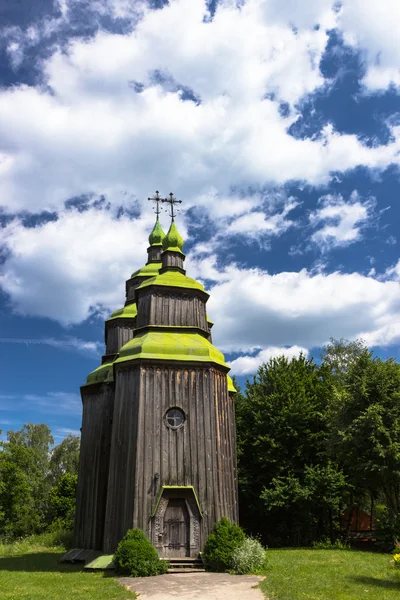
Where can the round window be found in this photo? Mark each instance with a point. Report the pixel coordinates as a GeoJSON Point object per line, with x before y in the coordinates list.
{"type": "Point", "coordinates": [175, 417]}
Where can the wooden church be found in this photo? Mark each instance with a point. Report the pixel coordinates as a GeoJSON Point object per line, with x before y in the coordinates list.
{"type": "Point", "coordinates": [158, 447]}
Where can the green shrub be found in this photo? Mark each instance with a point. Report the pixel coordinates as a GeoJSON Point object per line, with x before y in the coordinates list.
{"type": "Point", "coordinates": [220, 545]}
{"type": "Point", "coordinates": [327, 544]}
{"type": "Point", "coordinates": [249, 557]}
{"type": "Point", "coordinates": [388, 531]}
{"type": "Point", "coordinates": [136, 556]}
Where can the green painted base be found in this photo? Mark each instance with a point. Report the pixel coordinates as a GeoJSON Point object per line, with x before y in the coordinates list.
{"type": "Point", "coordinates": [101, 563]}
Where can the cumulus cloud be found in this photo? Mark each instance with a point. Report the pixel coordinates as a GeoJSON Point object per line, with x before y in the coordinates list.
{"type": "Point", "coordinates": [253, 309]}
{"type": "Point", "coordinates": [342, 222]}
{"type": "Point", "coordinates": [372, 27]}
{"type": "Point", "coordinates": [70, 268]}
{"type": "Point", "coordinates": [249, 364]}
{"type": "Point", "coordinates": [201, 107]}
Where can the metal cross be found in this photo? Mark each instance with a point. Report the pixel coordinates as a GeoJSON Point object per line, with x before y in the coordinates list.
{"type": "Point", "coordinates": [156, 199]}
{"type": "Point", "coordinates": [171, 201]}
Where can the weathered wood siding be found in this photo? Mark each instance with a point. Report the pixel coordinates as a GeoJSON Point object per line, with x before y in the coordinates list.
{"type": "Point", "coordinates": [98, 404]}
{"type": "Point", "coordinates": [119, 332]}
{"type": "Point", "coordinates": [172, 259]}
{"type": "Point", "coordinates": [125, 444]}
{"type": "Point", "coordinates": [147, 454]}
{"type": "Point", "coordinates": [173, 309]}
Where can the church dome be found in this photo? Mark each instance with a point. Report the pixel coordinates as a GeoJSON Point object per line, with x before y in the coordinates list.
{"type": "Point", "coordinates": [173, 240]}
{"type": "Point", "coordinates": [157, 236]}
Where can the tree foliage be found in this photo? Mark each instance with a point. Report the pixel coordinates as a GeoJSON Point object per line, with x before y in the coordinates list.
{"type": "Point", "coordinates": [28, 468]}
{"type": "Point", "coordinates": [316, 438]}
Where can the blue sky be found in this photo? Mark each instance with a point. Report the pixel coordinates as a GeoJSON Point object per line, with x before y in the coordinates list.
{"type": "Point", "coordinates": [276, 122]}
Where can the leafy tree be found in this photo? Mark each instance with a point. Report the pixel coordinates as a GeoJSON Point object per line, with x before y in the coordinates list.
{"type": "Point", "coordinates": [64, 459]}
{"type": "Point", "coordinates": [17, 511]}
{"type": "Point", "coordinates": [365, 433]}
{"type": "Point", "coordinates": [282, 429]}
{"type": "Point", "coordinates": [29, 449]}
{"type": "Point", "coordinates": [37, 438]}
{"type": "Point", "coordinates": [62, 502]}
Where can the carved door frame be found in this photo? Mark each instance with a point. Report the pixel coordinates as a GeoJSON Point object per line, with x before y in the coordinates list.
{"type": "Point", "coordinates": [188, 495]}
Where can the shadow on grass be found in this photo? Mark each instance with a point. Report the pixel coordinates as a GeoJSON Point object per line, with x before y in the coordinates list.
{"type": "Point", "coordinates": [38, 561]}
{"type": "Point", "coordinates": [376, 582]}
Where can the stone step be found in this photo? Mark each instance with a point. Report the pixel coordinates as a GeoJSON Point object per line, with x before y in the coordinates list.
{"type": "Point", "coordinates": [185, 570]}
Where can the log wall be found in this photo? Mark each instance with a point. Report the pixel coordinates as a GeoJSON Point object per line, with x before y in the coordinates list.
{"type": "Point", "coordinates": [172, 309]}
{"type": "Point", "coordinates": [119, 332]}
{"type": "Point", "coordinates": [147, 454]}
{"type": "Point", "coordinates": [98, 405]}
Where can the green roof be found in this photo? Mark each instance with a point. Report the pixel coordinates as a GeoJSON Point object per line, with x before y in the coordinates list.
{"type": "Point", "coordinates": [103, 374]}
{"type": "Point", "coordinates": [127, 312]}
{"type": "Point", "coordinates": [159, 345]}
{"type": "Point", "coordinates": [149, 270]}
{"type": "Point", "coordinates": [157, 235]}
{"type": "Point", "coordinates": [173, 240]}
{"type": "Point", "coordinates": [231, 387]}
{"type": "Point", "coordinates": [173, 279]}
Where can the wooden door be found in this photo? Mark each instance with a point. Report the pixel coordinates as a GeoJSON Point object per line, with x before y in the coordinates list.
{"type": "Point", "coordinates": [176, 532]}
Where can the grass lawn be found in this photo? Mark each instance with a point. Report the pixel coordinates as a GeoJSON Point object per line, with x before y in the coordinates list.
{"type": "Point", "coordinates": [305, 574]}
{"type": "Point", "coordinates": [37, 575]}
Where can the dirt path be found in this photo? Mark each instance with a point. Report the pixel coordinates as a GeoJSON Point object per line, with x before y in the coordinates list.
{"type": "Point", "coordinates": [195, 586]}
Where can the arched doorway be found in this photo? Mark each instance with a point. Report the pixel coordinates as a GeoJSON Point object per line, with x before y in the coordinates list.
{"type": "Point", "coordinates": [176, 523]}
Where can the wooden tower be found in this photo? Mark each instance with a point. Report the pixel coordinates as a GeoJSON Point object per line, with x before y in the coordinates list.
{"type": "Point", "coordinates": [158, 447]}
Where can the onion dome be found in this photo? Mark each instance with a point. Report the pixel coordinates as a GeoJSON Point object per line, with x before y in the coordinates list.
{"type": "Point", "coordinates": [173, 240]}
{"type": "Point", "coordinates": [157, 236]}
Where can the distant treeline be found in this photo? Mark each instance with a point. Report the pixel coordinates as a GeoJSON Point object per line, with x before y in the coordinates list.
{"type": "Point", "coordinates": [314, 439]}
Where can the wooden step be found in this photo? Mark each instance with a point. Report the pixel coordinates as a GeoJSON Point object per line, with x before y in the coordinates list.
{"type": "Point", "coordinates": [185, 564]}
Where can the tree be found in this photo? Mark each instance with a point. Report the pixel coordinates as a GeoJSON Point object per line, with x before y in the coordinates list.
{"type": "Point", "coordinates": [63, 501]}
{"type": "Point", "coordinates": [28, 451]}
{"type": "Point", "coordinates": [282, 432]}
{"type": "Point", "coordinates": [17, 512]}
{"type": "Point", "coordinates": [64, 459]}
{"type": "Point", "coordinates": [38, 438]}
{"type": "Point", "coordinates": [365, 432]}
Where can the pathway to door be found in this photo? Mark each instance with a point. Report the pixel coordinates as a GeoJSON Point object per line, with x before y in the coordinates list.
{"type": "Point", "coordinates": [195, 586]}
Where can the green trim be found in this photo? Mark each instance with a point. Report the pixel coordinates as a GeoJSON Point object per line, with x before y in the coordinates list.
{"type": "Point", "coordinates": [231, 387]}
{"type": "Point", "coordinates": [161, 345]}
{"type": "Point", "coordinates": [175, 487]}
{"type": "Point", "coordinates": [126, 312]}
{"type": "Point", "coordinates": [173, 279]}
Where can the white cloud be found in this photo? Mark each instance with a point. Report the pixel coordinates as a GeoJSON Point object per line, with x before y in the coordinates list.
{"type": "Point", "coordinates": [255, 224]}
{"type": "Point", "coordinates": [342, 221]}
{"type": "Point", "coordinates": [372, 27]}
{"type": "Point", "coordinates": [249, 364]}
{"type": "Point", "coordinates": [68, 268]}
{"type": "Point", "coordinates": [89, 131]}
{"type": "Point", "coordinates": [253, 309]}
